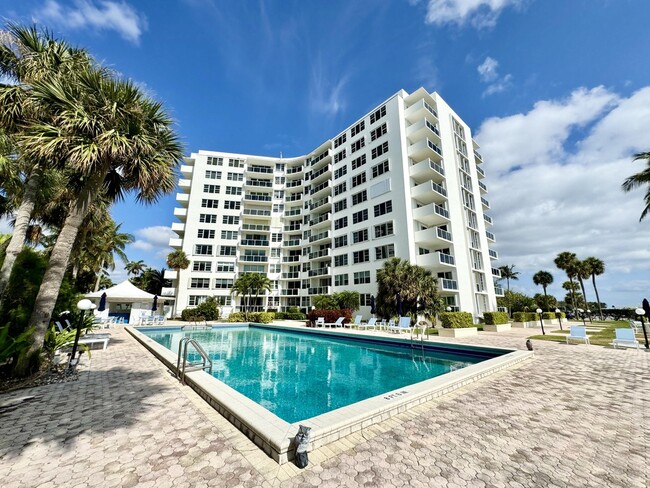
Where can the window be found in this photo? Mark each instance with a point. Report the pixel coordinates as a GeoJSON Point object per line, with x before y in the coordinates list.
{"type": "Point", "coordinates": [213, 175]}
{"type": "Point", "coordinates": [205, 234]}
{"type": "Point", "coordinates": [379, 150]}
{"type": "Point", "coordinates": [208, 218]}
{"type": "Point", "coordinates": [385, 252]}
{"type": "Point", "coordinates": [378, 132]}
{"type": "Point", "coordinates": [278, 207]}
{"type": "Point", "coordinates": [212, 161]}
{"type": "Point", "coordinates": [357, 128]}
{"type": "Point", "coordinates": [341, 260]}
{"type": "Point", "coordinates": [202, 266]}
{"type": "Point", "coordinates": [211, 188]}
{"type": "Point", "coordinates": [203, 249]}
{"type": "Point", "coordinates": [223, 283]}
{"type": "Point", "coordinates": [358, 162]}
{"type": "Point", "coordinates": [362, 277]}
{"type": "Point", "coordinates": [380, 169]}
{"type": "Point", "coordinates": [230, 205]}
{"type": "Point", "coordinates": [274, 268]}
{"type": "Point", "coordinates": [340, 205]}
{"type": "Point", "coordinates": [385, 229]}
{"type": "Point", "coordinates": [357, 198]}
{"type": "Point", "coordinates": [228, 251]}
{"type": "Point", "coordinates": [195, 300]}
{"type": "Point", "coordinates": [340, 241]}
{"type": "Point", "coordinates": [340, 223]}
{"type": "Point", "coordinates": [360, 216]}
{"type": "Point", "coordinates": [235, 177]}
{"type": "Point", "coordinates": [377, 114]}
{"type": "Point", "coordinates": [200, 283]}
{"type": "Point", "coordinates": [209, 203]}
{"type": "Point", "coordinates": [276, 237]}
{"type": "Point", "coordinates": [383, 208]}
{"type": "Point", "coordinates": [358, 179]}
{"type": "Point", "coordinates": [339, 156]}
{"type": "Point", "coordinates": [233, 190]}
{"type": "Point", "coordinates": [361, 256]}
{"type": "Point", "coordinates": [236, 163]}
{"type": "Point", "coordinates": [229, 234]}
{"type": "Point", "coordinates": [360, 236]}
{"type": "Point", "coordinates": [230, 219]}
{"type": "Point", "coordinates": [340, 188]}
{"type": "Point", "coordinates": [340, 172]}
{"type": "Point", "coordinates": [356, 145]}
{"type": "Point", "coordinates": [225, 267]}
{"type": "Point", "coordinates": [279, 166]}
{"type": "Point", "coordinates": [341, 280]}
{"type": "Point", "coordinates": [340, 140]}
{"type": "Point", "coordinates": [364, 299]}
{"type": "Point", "coordinates": [275, 252]}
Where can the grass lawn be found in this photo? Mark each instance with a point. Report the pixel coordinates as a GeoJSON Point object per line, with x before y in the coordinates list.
{"type": "Point", "coordinates": [601, 337]}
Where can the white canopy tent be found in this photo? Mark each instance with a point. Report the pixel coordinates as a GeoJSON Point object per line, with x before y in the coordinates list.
{"type": "Point", "coordinates": [125, 300]}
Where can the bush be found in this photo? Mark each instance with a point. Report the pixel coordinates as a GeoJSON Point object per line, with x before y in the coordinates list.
{"type": "Point", "coordinates": [190, 314]}
{"type": "Point", "coordinates": [330, 316]}
{"type": "Point", "coordinates": [209, 309]}
{"type": "Point", "coordinates": [293, 310]}
{"type": "Point", "coordinates": [261, 317]}
{"type": "Point", "coordinates": [456, 320]}
{"type": "Point", "coordinates": [290, 316]}
{"type": "Point", "coordinates": [495, 318]}
{"type": "Point", "coordinates": [526, 317]}
{"type": "Point", "coordinates": [237, 317]}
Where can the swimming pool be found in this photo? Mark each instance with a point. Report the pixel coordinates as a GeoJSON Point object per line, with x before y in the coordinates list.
{"type": "Point", "coordinates": [298, 376]}
{"type": "Point", "coordinates": [273, 434]}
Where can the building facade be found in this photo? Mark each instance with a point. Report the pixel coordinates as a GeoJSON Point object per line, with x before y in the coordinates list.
{"type": "Point", "coordinates": [403, 181]}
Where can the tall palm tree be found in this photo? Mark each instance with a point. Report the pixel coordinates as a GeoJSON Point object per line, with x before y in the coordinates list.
{"type": "Point", "coordinates": [242, 287]}
{"type": "Point", "coordinates": [508, 273]}
{"type": "Point", "coordinates": [596, 267]}
{"type": "Point", "coordinates": [543, 278]}
{"type": "Point", "coordinates": [156, 281]}
{"type": "Point", "coordinates": [135, 268]}
{"type": "Point", "coordinates": [177, 260]}
{"type": "Point", "coordinates": [642, 178]}
{"type": "Point", "coordinates": [568, 262]}
{"type": "Point", "coordinates": [583, 272]}
{"type": "Point", "coordinates": [28, 56]}
{"type": "Point", "coordinates": [259, 283]}
{"type": "Point", "coordinates": [572, 288]}
{"type": "Point", "coordinates": [115, 139]}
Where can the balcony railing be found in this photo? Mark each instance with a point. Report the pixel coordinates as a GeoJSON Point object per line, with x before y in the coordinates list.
{"type": "Point", "coordinates": [482, 186]}
{"type": "Point", "coordinates": [440, 210]}
{"type": "Point", "coordinates": [291, 259]}
{"type": "Point", "coordinates": [498, 291]}
{"type": "Point", "coordinates": [318, 237]}
{"type": "Point", "coordinates": [319, 254]}
{"type": "Point", "coordinates": [320, 187]}
{"type": "Point", "coordinates": [254, 242]}
{"type": "Point", "coordinates": [485, 202]}
{"type": "Point", "coordinates": [291, 184]}
{"type": "Point", "coordinates": [291, 275]}
{"type": "Point", "coordinates": [447, 259]}
{"type": "Point", "coordinates": [431, 109]}
{"type": "Point", "coordinates": [297, 169]}
{"type": "Point", "coordinates": [259, 169]}
{"type": "Point", "coordinates": [432, 127]}
{"type": "Point", "coordinates": [449, 284]}
{"type": "Point", "coordinates": [320, 219]}
{"type": "Point", "coordinates": [443, 234]}
{"type": "Point", "coordinates": [478, 157]}
{"type": "Point", "coordinates": [434, 147]}
{"type": "Point", "coordinates": [293, 211]}
{"type": "Point", "coordinates": [260, 227]}
{"type": "Point", "coordinates": [263, 183]}
{"type": "Point", "coordinates": [253, 211]}
{"type": "Point", "coordinates": [480, 171]}
{"type": "Point", "coordinates": [259, 198]}
{"type": "Point", "coordinates": [320, 203]}
{"type": "Point", "coordinates": [292, 291]}
{"type": "Point", "coordinates": [292, 227]}
{"type": "Point", "coordinates": [319, 272]}
{"type": "Point", "coordinates": [320, 290]}
{"type": "Point", "coordinates": [321, 171]}
{"type": "Point", "coordinates": [438, 188]}
{"type": "Point", "coordinates": [293, 197]}
{"type": "Point", "coordinates": [254, 259]}
{"type": "Point", "coordinates": [291, 242]}
{"type": "Point", "coordinates": [496, 272]}
{"type": "Point", "coordinates": [487, 218]}
{"type": "Point", "coordinates": [490, 236]}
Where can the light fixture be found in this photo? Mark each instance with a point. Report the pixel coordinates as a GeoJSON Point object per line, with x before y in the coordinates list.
{"type": "Point", "coordinates": [539, 314]}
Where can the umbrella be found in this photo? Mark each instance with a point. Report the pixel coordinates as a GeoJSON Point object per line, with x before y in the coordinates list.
{"type": "Point", "coordinates": [398, 297]}
{"type": "Point", "coordinates": [102, 303]}
{"type": "Point", "coordinates": [372, 304]}
{"type": "Point", "coordinates": [154, 307]}
{"type": "Point", "coordinates": [646, 308]}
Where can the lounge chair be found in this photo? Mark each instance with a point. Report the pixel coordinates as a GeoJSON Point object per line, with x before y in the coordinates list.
{"type": "Point", "coordinates": [636, 326]}
{"type": "Point", "coordinates": [578, 333]}
{"type": "Point", "coordinates": [92, 339]}
{"type": "Point", "coordinates": [403, 325]}
{"type": "Point", "coordinates": [320, 322]}
{"type": "Point", "coordinates": [625, 338]}
{"type": "Point", "coordinates": [372, 323]}
{"type": "Point", "coordinates": [338, 323]}
{"type": "Point", "coordinates": [88, 333]}
{"type": "Point", "coordinates": [357, 322]}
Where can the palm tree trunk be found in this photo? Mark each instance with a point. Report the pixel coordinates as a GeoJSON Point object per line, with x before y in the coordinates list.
{"type": "Point", "coordinates": [573, 294]}
{"type": "Point", "coordinates": [582, 287]}
{"type": "Point", "coordinates": [548, 307]}
{"type": "Point", "coordinates": [99, 276]}
{"type": "Point", "coordinates": [600, 310]}
{"type": "Point", "coordinates": [23, 216]}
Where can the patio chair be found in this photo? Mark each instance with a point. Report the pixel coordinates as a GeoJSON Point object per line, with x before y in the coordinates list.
{"type": "Point", "coordinates": [357, 322]}
{"type": "Point", "coordinates": [320, 322]}
{"type": "Point", "coordinates": [625, 338]}
{"type": "Point", "coordinates": [90, 332]}
{"type": "Point", "coordinates": [372, 323]}
{"type": "Point", "coordinates": [403, 325]}
{"type": "Point", "coordinates": [578, 333]}
{"type": "Point", "coordinates": [636, 326]}
{"type": "Point", "coordinates": [338, 323]}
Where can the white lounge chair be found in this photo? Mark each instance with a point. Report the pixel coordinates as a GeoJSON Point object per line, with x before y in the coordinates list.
{"type": "Point", "coordinates": [320, 322]}
{"type": "Point", "coordinates": [636, 326]}
{"type": "Point", "coordinates": [92, 339]}
{"type": "Point", "coordinates": [357, 322]}
{"type": "Point", "coordinates": [625, 338]}
{"type": "Point", "coordinates": [403, 325]}
{"type": "Point", "coordinates": [338, 323]}
{"type": "Point", "coordinates": [578, 333]}
{"type": "Point", "coordinates": [372, 323]}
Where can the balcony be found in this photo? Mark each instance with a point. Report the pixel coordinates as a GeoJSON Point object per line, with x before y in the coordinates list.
{"type": "Point", "coordinates": [253, 258]}
{"type": "Point", "coordinates": [429, 192]}
{"type": "Point", "coordinates": [255, 183]}
{"type": "Point", "coordinates": [422, 128]}
{"type": "Point", "coordinates": [482, 186]}
{"type": "Point", "coordinates": [295, 170]}
{"type": "Point", "coordinates": [168, 292]}
{"type": "Point", "coordinates": [171, 274]}
{"type": "Point", "coordinates": [291, 259]}
{"type": "Point", "coordinates": [487, 218]}
{"type": "Point", "coordinates": [291, 243]}
{"type": "Point", "coordinates": [187, 170]}
{"type": "Point", "coordinates": [292, 227]}
{"type": "Point", "coordinates": [256, 227]}
{"type": "Point", "coordinates": [293, 211]}
{"type": "Point", "coordinates": [490, 236]}
{"type": "Point", "coordinates": [498, 291]}
{"type": "Point", "coordinates": [323, 253]}
{"type": "Point", "coordinates": [320, 290]}
{"type": "Point", "coordinates": [432, 214]}
{"type": "Point", "coordinates": [321, 219]}
{"type": "Point", "coordinates": [323, 174]}
{"type": "Point", "coordinates": [435, 260]}
{"type": "Point", "coordinates": [180, 214]}
{"type": "Point", "coordinates": [485, 203]}
{"type": "Point", "coordinates": [425, 149]}
{"type": "Point", "coordinates": [481, 173]}
{"type": "Point", "coordinates": [179, 228]}
{"type": "Point", "coordinates": [290, 292]}
{"type": "Point", "coordinates": [293, 197]}
{"type": "Point", "coordinates": [421, 109]}
{"type": "Point", "coordinates": [258, 198]}
{"type": "Point", "coordinates": [176, 243]}
{"type": "Point", "coordinates": [432, 236]}
{"type": "Point", "coordinates": [257, 170]}
{"type": "Point", "coordinates": [427, 170]}
{"type": "Point", "coordinates": [447, 259]}
{"type": "Point", "coordinates": [256, 212]}
{"type": "Point", "coordinates": [291, 276]}
{"type": "Point", "coordinates": [254, 242]}
{"type": "Point", "coordinates": [448, 285]}
{"type": "Point", "coordinates": [184, 184]}
{"type": "Point", "coordinates": [320, 237]}
{"type": "Point", "coordinates": [293, 184]}
{"type": "Point", "coordinates": [183, 199]}
{"type": "Point", "coordinates": [319, 272]}
{"type": "Point", "coordinates": [321, 190]}
{"type": "Point", "coordinates": [326, 203]}
{"type": "Point", "coordinates": [478, 157]}
{"type": "Point", "coordinates": [493, 254]}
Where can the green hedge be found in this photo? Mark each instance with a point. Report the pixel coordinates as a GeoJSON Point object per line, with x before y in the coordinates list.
{"type": "Point", "coordinates": [290, 316]}
{"type": "Point", "coordinates": [526, 317]}
{"type": "Point", "coordinates": [257, 317]}
{"type": "Point", "coordinates": [552, 315]}
{"type": "Point", "coordinates": [331, 316]}
{"type": "Point", "coordinates": [456, 320]}
{"type": "Point", "coordinates": [495, 318]}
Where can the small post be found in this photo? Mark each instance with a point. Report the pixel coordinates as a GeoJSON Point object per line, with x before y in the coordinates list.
{"type": "Point", "coordinates": [558, 314]}
{"type": "Point", "coordinates": [539, 312]}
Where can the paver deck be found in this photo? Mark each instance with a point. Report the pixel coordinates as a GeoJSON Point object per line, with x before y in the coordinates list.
{"type": "Point", "coordinates": [572, 416]}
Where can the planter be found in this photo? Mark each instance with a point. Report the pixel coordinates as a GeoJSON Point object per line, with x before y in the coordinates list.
{"type": "Point", "coordinates": [551, 322]}
{"type": "Point", "coordinates": [496, 328]}
{"type": "Point", "coordinates": [464, 332]}
{"type": "Point", "coordinates": [526, 324]}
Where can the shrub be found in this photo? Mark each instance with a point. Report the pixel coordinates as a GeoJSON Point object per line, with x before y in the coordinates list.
{"type": "Point", "coordinates": [456, 320]}
{"type": "Point", "coordinates": [293, 310]}
{"type": "Point", "coordinates": [290, 316]}
{"type": "Point", "coordinates": [237, 317]}
{"type": "Point", "coordinates": [495, 318]}
{"type": "Point", "coordinates": [526, 317]}
{"type": "Point", "coordinates": [261, 317]}
{"type": "Point", "coordinates": [209, 309]}
{"type": "Point", "coordinates": [190, 314]}
{"type": "Point", "coordinates": [331, 315]}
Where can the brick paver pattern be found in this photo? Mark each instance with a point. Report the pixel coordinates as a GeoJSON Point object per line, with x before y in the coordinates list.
{"type": "Point", "coordinates": [573, 416]}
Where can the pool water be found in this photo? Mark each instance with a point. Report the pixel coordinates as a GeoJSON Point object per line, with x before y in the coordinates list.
{"type": "Point", "coordinates": [299, 375]}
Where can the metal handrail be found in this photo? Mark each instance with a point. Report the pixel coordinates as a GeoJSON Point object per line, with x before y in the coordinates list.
{"type": "Point", "coordinates": [185, 367]}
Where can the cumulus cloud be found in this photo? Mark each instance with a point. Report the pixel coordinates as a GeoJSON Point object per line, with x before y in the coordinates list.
{"type": "Point", "coordinates": [556, 186]}
{"type": "Point", "coordinates": [102, 15]}
{"type": "Point", "coordinates": [479, 13]}
{"type": "Point", "coordinates": [154, 240]}
{"type": "Point", "coordinates": [488, 71]}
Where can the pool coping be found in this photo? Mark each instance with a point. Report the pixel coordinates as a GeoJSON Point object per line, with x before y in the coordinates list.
{"type": "Point", "coordinates": [275, 436]}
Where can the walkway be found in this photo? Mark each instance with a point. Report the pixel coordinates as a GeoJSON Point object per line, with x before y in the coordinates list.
{"type": "Point", "coordinates": [573, 416]}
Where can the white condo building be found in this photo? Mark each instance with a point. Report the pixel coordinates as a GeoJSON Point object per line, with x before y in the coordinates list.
{"type": "Point", "coordinates": [405, 180]}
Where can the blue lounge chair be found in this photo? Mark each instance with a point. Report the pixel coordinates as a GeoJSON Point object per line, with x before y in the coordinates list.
{"type": "Point", "coordinates": [338, 323]}
{"type": "Point", "coordinates": [578, 333]}
{"type": "Point", "coordinates": [625, 338]}
{"type": "Point", "coordinates": [404, 324]}
{"type": "Point", "coordinates": [372, 324]}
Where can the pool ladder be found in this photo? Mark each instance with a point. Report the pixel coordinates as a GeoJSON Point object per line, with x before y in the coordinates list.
{"type": "Point", "coordinates": [184, 366]}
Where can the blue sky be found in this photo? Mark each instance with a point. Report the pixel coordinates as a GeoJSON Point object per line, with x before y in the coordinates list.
{"type": "Point", "coordinates": [557, 93]}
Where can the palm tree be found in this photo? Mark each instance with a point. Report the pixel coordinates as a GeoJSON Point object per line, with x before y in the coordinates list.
{"type": "Point", "coordinates": [508, 273]}
{"type": "Point", "coordinates": [242, 287]}
{"type": "Point", "coordinates": [28, 56]}
{"type": "Point", "coordinates": [115, 139]}
{"type": "Point", "coordinates": [259, 283]}
{"type": "Point", "coordinates": [568, 262]}
{"type": "Point", "coordinates": [543, 278]}
{"type": "Point", "coordinates": [641, 178]}
{"type": "Point", "coordinates": [596, 267]}
{"type": "Point", "coordinates": [135, 268]}
{"type": "Point", "coordinates": [177, 260]}
{"type": "Point", "coordinates": [583, 272]}
{"type": "Point", "coordinates": [572, 288]}
{"type": "Point", "coordinates": [156, 281]}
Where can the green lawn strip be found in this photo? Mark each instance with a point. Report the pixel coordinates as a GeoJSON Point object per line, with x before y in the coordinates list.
{"type": "Point", "coordinates": [598, 337]}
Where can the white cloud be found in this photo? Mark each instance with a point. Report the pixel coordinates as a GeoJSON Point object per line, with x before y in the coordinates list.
{"type": "Point", "coordinates": [480, 13]}
{"type": "Point", "coordinates": [101, 15]}
{"type": "Point", "coordinates": [325, 95]}
{"type": "Point", "coordinates": [556, 186]}
{"type": "Point", "coordinates": [488, 71]}
{"type": "Point", "coordinates": [154, 241]}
